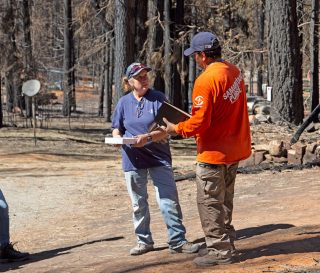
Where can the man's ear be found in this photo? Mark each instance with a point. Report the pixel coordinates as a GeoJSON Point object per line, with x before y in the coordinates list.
{"type": "Point", "coordinates": [203, 56]}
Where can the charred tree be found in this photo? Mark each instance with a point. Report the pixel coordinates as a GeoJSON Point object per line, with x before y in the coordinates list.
{"type": "Point", "coordinates": [167, 52]}
{"type": "Point", "coordinates": [192, 63]}
{"type": "Point", "coordinates": [260, 44]}
{"type": "Point", "coordinates": [120, 62]}
{"type": "Point", "coordinates": [152, 10]}
{"type": "Point", "coordinates": [1, 114]}
{"type": "Point", "coordinates": [178, 61]}
{"type": "Point", "coordinates": [284, 61]}
{"type": "Point", "coordinates": [12, 62]}
{"type": "Point", "coordinates": [140, 35]}
{"type": "Point", "coordinates": [105, 98]}
{"type": "Point", "coordinates": [314, 57]}
{"type": "Point", "coordinates": [68, 61]}
{"type": "Point", "coordinates": [29, 72]}
{"type": "Point", "coordinates": [109, 77]}
{"type": "Point", "coordinates": [155, 42]}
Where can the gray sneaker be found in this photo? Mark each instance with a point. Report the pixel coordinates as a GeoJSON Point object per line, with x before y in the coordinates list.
{"type": "Point", "coordinates": [140, 249]}
{"type": "Point", "coordinates": [186, 248]}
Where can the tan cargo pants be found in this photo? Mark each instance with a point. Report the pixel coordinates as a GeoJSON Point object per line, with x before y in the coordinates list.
{"type": "Point", "coordinates": [215, 192]}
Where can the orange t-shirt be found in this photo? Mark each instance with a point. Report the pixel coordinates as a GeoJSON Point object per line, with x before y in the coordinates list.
{"type": "Point", "coordinates": [219, 119]}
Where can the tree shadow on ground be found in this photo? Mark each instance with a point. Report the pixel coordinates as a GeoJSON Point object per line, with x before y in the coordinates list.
{"type": "Point", "coordinates": [48, 254]}
{"type": "Point", "coordinates": [147, 265]}
{"type": "Point", "coordinates": [254, 231]}
{"type": "Point", "coordinates": [303, 245]}
{"type": "Point", "coordinates": [289, 247]}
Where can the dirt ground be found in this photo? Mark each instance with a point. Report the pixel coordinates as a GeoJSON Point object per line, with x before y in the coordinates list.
{"type": "Point", "coordinates": [69, 208]}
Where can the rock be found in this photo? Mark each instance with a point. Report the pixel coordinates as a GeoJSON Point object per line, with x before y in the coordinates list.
{"type": "Point", "coordinates": [261, 147]}
{"type": "Point", "coordinates": [309, 157]}
{"type": "Point", "coordinates": [299, 147]}
{"type": "Point", "coordinates": [311, 147]}
{"type": "Point", "coordinates": [317, 152]}
{"type": "Point", "coordinates": [262, 109]}
{"type": "Point", "coordinates": [247, 162]}
{"type": "Point", "coordinates": [294, 157]}
{"type": "Point", "coordinates": [276, 148]}
{"type": "Point", "coordinates": [311, 128]}
{"type": "Point", "coordinates": [253, 120]}
{"type": "Point", "coordinates": [259, 157]}
{"type": "Point", "coordinates": [261, 118]}
{"type": "Point", "coordinates": [268, 157]}
{"type": "Point", "coordinates": [281, 159]}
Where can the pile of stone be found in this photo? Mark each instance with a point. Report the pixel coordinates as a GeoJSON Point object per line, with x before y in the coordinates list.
{"type": "Point", "coordinates": [271, 138]}
{"type": "Point", "coordinates": [282, 152]}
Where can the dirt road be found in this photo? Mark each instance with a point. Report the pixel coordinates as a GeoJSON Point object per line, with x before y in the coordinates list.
{"type": "Point", "coordinates": [69, 208]}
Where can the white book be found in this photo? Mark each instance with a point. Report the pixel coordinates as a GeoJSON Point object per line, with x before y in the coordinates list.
{"type": "Point", "coordinates": [120, 140]}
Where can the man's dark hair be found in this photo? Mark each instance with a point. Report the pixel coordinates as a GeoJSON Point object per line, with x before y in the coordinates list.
{"type": "Point", "coordinates": [214, 54]}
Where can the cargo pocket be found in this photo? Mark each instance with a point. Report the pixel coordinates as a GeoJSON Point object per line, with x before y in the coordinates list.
{"type": "Point", "coordinates": [212, 180]}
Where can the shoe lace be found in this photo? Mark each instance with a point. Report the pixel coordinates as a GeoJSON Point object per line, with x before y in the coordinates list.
{"type": "Point", "coordinates": [141, 246]}
{"type": "Point", "coordinates": [187, 245]}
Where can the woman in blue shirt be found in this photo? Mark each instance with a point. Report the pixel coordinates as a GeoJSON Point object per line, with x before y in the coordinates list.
{"type": "Point", "coordinates": [132, 117]}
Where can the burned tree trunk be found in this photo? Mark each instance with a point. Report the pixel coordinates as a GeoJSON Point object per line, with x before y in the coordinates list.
{"type": "Point", "coordinates": [120, 46]}
{"type": "Point", "coordinates": [192, 63]}
{"type": "Point", "coordinates": [1, 115]}
{"type": "Point", "coordinates": [260, 43]}
{"type": "Point", "coordinates": [314, 57]}
{"type": "Point", "coordinates": [167, 52]}
{"type": "Point", "coordinates": [284, 62]}
{"type": "Point", "coordinates": [68, 62]}
{"type": "Point", "coordinates": [28, 59]}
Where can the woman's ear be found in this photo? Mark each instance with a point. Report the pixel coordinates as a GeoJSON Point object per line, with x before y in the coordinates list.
{"type": "Point", "coordinates": [131, 82]}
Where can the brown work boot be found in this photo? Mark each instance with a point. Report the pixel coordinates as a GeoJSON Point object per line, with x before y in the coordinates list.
{"type": "Point", "coordinates": [204, 251]}
{"type": "Point", "coordinates": [212, 259]}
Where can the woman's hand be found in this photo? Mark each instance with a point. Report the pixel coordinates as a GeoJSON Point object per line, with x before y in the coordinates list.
{"type": "Point", "coordinates": [116, 133]}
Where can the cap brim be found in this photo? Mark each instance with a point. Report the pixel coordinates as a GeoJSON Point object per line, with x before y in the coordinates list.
{"type": "Point", "coordinates": [138, 71]}
{"type": "Point", "coordinates": [188, 51]}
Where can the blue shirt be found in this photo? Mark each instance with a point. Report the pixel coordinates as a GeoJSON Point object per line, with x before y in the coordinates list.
{"type": "Point", "coordinates": [132, 117]}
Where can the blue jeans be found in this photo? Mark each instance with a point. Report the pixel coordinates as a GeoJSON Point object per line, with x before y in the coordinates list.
{"type": "Point", "coordinates": [4, 221]}
{"type": "Point", "coordinates": [168, 201]}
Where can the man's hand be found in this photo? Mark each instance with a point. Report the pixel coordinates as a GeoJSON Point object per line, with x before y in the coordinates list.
{"type": "Point", "coordinates": [141, 141]}
{"type": "Point", "coordinates": [170, 127]}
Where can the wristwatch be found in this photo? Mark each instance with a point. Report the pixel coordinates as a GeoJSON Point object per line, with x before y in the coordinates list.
{"type": "Point", "coordinates": [149, 138]}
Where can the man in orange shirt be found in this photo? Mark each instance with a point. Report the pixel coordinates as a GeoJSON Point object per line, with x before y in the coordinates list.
{"type": "Point", "coordinates": [220, 126]}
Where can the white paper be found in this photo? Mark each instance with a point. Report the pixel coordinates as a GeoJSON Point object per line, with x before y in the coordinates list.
{"type": "Point", "coordinates": [120, 140]}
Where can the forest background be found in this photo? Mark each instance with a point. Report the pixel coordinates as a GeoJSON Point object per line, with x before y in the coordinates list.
{"type": "Point", "coordinates": [68, 204]}
{"type": "Point", "coordinates": [77, 47]}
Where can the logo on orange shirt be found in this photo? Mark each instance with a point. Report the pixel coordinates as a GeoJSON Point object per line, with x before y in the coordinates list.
{"type": "Point", "coordinates": [198, 101]}
{"type": "Point", "coordinates": [234, 91]}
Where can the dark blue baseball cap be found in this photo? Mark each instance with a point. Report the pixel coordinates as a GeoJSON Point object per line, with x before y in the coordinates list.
{"type": "Point", "coordinates": [135, 68]}
{"type": "Point", "coordinates": [202, 41]}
